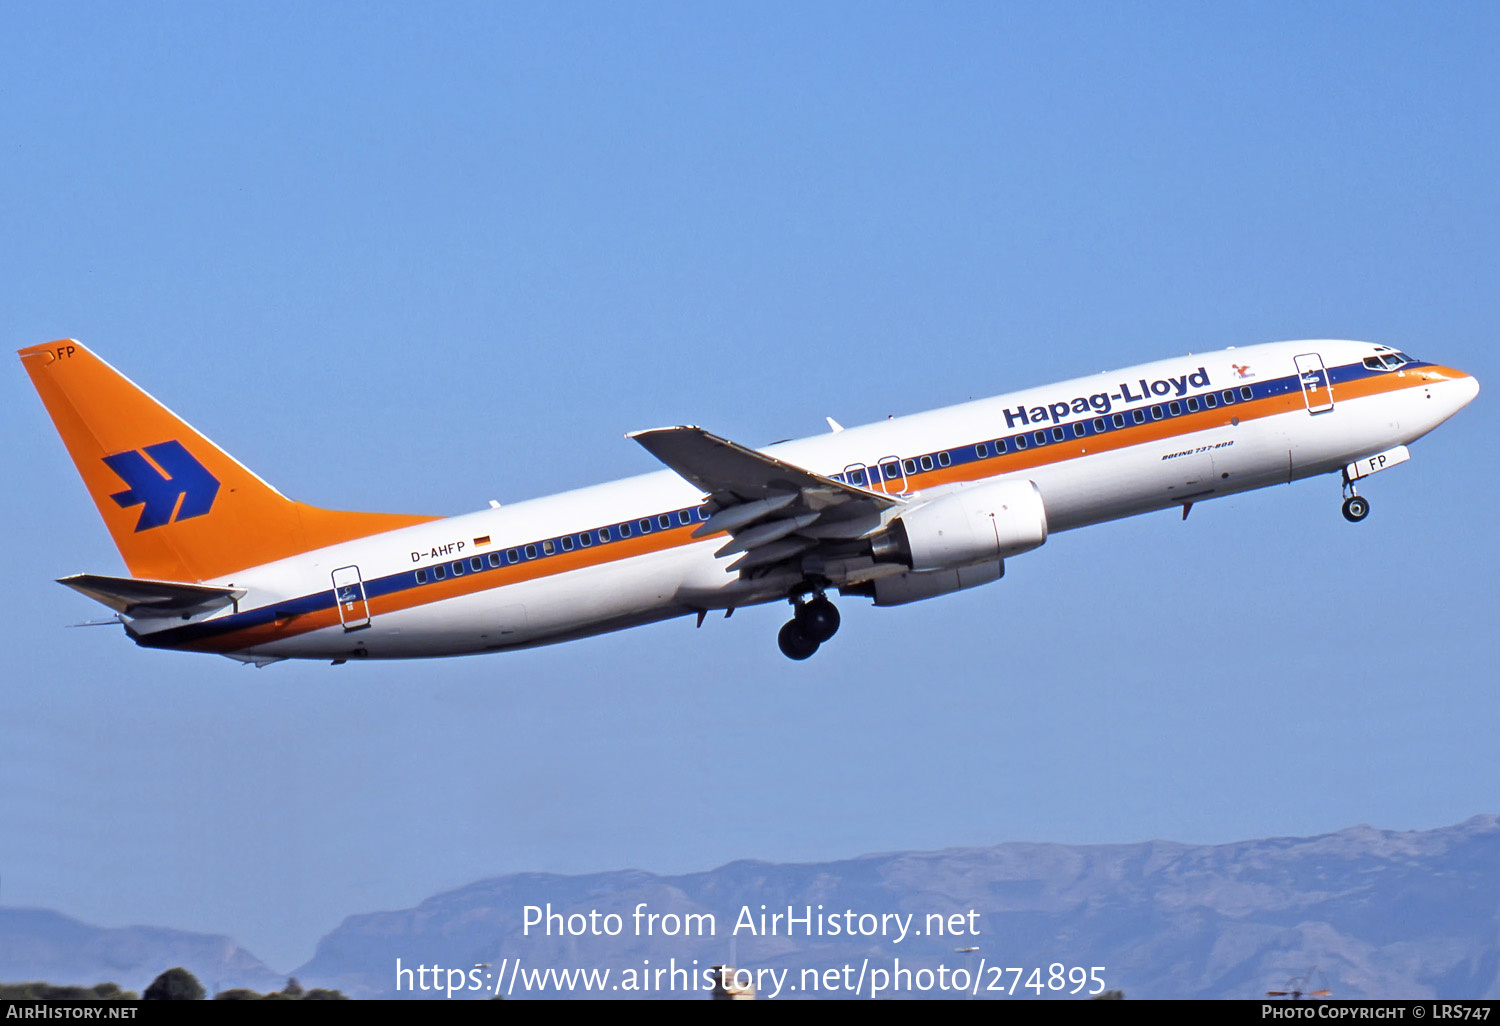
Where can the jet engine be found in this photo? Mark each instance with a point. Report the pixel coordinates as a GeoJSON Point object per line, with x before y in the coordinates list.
{"type": "Point", "coordinates": [958, 540]}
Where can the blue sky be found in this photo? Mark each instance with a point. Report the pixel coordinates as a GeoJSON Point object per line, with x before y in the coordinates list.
{"type": "Point", "coordinates": [413, 259]}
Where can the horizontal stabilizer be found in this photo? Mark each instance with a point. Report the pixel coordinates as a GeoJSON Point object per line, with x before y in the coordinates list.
{"type": "Point", "coordinates": [138, 598]}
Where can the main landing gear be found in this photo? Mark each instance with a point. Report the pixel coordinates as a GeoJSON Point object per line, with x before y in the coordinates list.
{"type": "Point", "coordinates": [814, 620]}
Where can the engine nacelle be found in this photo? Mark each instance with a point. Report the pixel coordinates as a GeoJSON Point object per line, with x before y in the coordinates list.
{"type": "Point", "coordinates": [981, 523]}
{"type": "Point", "coordinates": [914, 586]}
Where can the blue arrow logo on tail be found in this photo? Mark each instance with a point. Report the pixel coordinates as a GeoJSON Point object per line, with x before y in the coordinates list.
{"type": "Point", "coordinates": [185, 478]}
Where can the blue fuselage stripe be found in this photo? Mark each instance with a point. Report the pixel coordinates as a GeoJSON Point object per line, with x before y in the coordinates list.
{"type": "Point", "coordinates": [528, 552]}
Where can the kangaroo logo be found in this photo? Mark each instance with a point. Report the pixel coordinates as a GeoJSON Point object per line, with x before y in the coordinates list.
{"type": "Point", "coordinates": [157, 490]}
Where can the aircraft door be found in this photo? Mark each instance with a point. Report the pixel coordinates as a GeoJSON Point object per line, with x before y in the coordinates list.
{"type": "Point", "coordinates": [1198, 473]}
{"type": "Point", "coordinates": [859, 475]}
{"type": "Point", "coordinates": [1190, 474]}
{"type": "Point", "coordinates": [1316, 388]}
{"type": "Point", "coordinates": [889, 476]}
{"type": "Point", "coordinates": [349, 594]}
{"type": "Point", "coordinates": [884, 475]}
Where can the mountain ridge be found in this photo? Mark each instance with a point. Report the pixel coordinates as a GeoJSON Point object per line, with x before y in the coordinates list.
{"type": "Point", "coordinates": [1180, 920]}
{"type": "Point", "coordinates": [1381, 913]}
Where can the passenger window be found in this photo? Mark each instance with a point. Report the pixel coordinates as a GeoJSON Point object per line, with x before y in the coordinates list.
{"type": "Point", "coordinates": [1040, 438]}
{"type": "Point", "coordinates": [926, 462]}
{"type": "Point", "coordinates": [1118, 420]}
{"type": "Point", "coordinates": [683, 517]}
{"type": "Point", "coordinates": [982, 451]}
{"type": "Point", "coordinates": [531, 552]}
{"type": "Point", "coordinates": [1020, 442]}
{"type": "Point", "coordinates": [703, 513]}
{"type": "Point", "coordinates": [892, 470]}
{"type": "Point", "coordinates": [1210, 401]}
{"type": "Point", "coordinates": [585, 539]}
{"type": "Point", "coordinates": [1246, 394]}
{"type": "Point", "coordinates": [567, 543]}
{"type": "Point", "coordinates": [1156, 413]}
{"type": "Point", "coordinates": [645, 526]}
{"type": "Point", "coordinates": [1228, 395]}
{"type": "Point", "coordinates": [603, 535]}
{"type": "Point", "coordinates": [910, 465]}
{"type": "Point", "coordinates": [1057, 434]}
{"type": "Point", "coordinates": [1175, 407]}
{"type": "Point", "coordinates": [1139, 416]}
{"type": "Point", "coordinates": [1192, 405]}
{"type": "Point", "coordinates": [858, 477]}
{"type": "Point", "coordinates": [512, 556]}
{"type": "Point", "coordinates": [421, 576]}
{"type": "Point", "coordinates": [664, 521]}
{"type": "Point", "coordinates": [624, 530]}
{"type": "Point", "coordinates": [494, 560]}
{"type": "Point", "coordinates": [944, 459]}
{"type": "Point", "coordinates": [1098, 425]}
{"type": "Point", "coordinates": [476, 564]}
{"type": "Point", "coordinates": [999, 446]}
{"type": "Point", "coordinates": [437, 572]}
{"type": "Point", "coordinates": [1080, 429]}
{"type": "Point", "coordinates": [548, 548]}
{"type": "Point", "coordinates": [458, 567]}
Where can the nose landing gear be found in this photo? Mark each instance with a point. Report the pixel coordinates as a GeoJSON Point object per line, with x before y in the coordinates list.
{"type": "Point", "coordinates": [1356, 506]}
{"type": "Point", "coordinates": [814, 620]}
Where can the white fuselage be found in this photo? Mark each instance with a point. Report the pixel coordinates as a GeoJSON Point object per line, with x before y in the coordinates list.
{"type": "Point", "coordinates": [1116, 456]}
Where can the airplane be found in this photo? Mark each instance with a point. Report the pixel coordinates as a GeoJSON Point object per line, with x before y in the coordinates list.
{"type": "Point", "coordinates": [898, 511]}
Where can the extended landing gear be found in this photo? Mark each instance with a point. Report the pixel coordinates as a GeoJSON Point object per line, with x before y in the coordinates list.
{"type": "Point", "coordinates": [1356, 506]}
{"type": "Point", "coordinates": [814, 621]}
{"type": "Point", "coordinates": [795, 644]}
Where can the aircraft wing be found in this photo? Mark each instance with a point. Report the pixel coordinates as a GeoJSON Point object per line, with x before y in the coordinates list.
{"type": "Point", "coordinates": [143, 598]}
{"type": "Point", "coordinates": [774, 511]}
{"type": "Point", "coordinates": [732, 473]}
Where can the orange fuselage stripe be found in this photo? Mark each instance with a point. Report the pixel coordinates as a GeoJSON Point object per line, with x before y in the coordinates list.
{"type": "Point", "coordinates": [677, 537]}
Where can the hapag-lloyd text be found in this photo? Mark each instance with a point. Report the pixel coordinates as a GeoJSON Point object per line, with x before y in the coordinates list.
{"type": "Point", "coordinates": [1103, 402]}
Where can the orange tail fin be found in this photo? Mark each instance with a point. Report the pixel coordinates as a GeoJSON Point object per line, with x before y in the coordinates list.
{"type": "Point", "coordinates": [178, 507]}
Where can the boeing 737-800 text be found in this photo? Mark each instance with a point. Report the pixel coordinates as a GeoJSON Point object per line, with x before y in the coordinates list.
{"type": "Point", "coordinates": [905, 509]}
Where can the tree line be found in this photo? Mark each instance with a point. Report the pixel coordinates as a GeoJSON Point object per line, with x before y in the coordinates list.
{"type": "Point", "coordinates": [176, 984]}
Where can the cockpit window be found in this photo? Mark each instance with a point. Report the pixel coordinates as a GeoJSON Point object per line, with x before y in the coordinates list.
{"type": "Point", "coordinates": [1387, 361]}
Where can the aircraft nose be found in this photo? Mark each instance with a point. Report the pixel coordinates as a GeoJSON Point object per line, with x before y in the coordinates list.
{"type": "Point", "coordinates": [1457, 392]}
{"type": "Point", "coordinates": [1468, 388]}
{"type": "Point", "coordinates": [1456, 387]}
